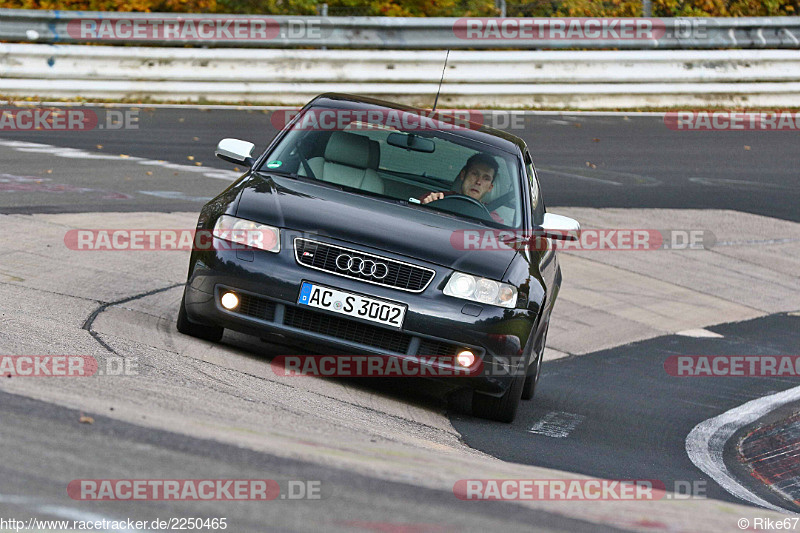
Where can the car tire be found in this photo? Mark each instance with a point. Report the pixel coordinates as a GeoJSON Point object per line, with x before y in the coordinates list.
{"type": "Point", "coordinates": [529, 389]}
{"type": "Point", "coordinates": [530, 382]}
{"type": "Point", "coordinates": [201, 331]}
{"type": "Point", "coordinates": [503, 408]}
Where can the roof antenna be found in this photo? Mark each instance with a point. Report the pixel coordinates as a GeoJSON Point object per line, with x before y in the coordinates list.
{"type": "Point", "coordinates": [440, 82]}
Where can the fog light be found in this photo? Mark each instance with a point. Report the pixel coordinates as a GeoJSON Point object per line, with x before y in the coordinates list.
{"type": "Point", "coordinates": [465, 358]}
{"type": "Point", "coordinates": [230, 301]}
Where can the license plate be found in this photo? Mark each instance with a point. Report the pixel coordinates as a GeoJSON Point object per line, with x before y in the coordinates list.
{"type": "Point", "coordinates": [350, 304]}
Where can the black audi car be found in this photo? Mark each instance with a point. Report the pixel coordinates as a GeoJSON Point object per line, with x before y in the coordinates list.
{"type": "Point", "coordinates": [372, 228]}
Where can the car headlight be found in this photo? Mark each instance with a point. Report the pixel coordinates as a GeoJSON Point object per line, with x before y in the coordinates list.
{"type": "Point", "coordinates": [248, 233]}
{"type": "Point", "coordinates": [481, 290]}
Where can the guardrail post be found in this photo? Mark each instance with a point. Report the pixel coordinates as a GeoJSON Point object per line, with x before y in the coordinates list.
{"type": "Point", "coordinates": [647, 8]}
{"type": "Point", "coordinates": [322, 9]}
{"type": "Point", "coordinates": [501, 5]}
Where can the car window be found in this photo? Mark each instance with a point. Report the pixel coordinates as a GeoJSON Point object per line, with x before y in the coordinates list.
{"type": "Point", "coordinates": [376, 160]}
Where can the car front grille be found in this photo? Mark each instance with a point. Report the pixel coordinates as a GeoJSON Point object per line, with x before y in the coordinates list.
{"type": "Point", "coordinates": [322, 256]}
{"type": "Point", "coordinates": [345, 329]}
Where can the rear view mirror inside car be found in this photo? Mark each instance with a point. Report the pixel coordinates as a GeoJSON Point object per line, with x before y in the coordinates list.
{"type": "Point", "coordinates": [411, 142]}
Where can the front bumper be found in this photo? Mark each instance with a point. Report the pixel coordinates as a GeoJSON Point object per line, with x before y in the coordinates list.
{"type": "Point", "coordinates": [434, 325]}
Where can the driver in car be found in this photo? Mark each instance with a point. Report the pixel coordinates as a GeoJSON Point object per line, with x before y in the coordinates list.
{"type": "Point", "coordinates": [477, 179]}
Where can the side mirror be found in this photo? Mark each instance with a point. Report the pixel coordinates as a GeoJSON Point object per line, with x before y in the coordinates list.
{"type": "Point", "coordinates": [561, 227]}
{"type": "Point", "coordinates": [235, 151]}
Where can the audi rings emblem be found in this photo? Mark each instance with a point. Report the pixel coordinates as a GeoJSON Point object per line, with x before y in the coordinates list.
{"type": "Point", "coordinates": [365, 267]}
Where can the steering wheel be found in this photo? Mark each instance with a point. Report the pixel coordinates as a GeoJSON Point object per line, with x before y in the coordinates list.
{"type": "Point", "coordinates": [460, 198]}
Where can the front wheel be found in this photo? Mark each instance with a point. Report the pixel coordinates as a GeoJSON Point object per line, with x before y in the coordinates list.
{"type": "Point", "coordinates": [208, 333]}
{"type": "Point", "coordinates": [530, 382]}
{"type": "Point", "coordinates": [533, 378]}
{"type": "Point", "coordinates": [502, 409]}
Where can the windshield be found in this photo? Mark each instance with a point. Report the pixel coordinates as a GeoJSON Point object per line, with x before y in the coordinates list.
{"type": "Point", "coordinates": [471, 180]}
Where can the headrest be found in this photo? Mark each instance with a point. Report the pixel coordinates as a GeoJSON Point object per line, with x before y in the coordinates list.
{"type": "Point", "coordinates": [348, 149]}
{"type": "Point", "coordinates": [374, 154]}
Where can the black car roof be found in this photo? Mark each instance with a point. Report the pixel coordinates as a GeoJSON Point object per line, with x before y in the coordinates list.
{"type": "Point", "coordinates": [494, 137]}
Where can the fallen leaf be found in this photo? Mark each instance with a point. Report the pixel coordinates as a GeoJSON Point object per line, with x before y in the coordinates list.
{"type": "Point", "coordinates": [124, 156]}
{"type": "Point", "coordinates": [195, 138]}
{"type": "Point", "coordinates": [236, 169]}
{"type": "Point", "coordinates": [181, 119]}
{"type": "Point", "coordinates": [86, 419]}
{"type": "Point", "coordinates": [595, 140]}
{"type": "Point", "coordinates": [99, 146]}
{"type": "Point", "coordinates": [199, 164]}
{"type": "Point", "coordinates": [149, 172]}
{"type": "Point", "coordinates": [746, 147]}
{"type": "Point", "coordinates": [578, 125]}
{"type": "Point", "coordinates": [49, 170]}
{"type": "Point", "coordinates": [190, 157]}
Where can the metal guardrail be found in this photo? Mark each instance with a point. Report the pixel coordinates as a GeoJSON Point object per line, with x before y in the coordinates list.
{"type": "Point", "coordinates": [525, 68]}
{"type": "Point", "coordinates": [588, 79]}
{"type": "Point", "coordinates": [55, 27]}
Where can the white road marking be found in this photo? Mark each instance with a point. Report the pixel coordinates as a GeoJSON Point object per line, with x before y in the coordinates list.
{"type": "Point", "coordinates": [579, 177]}
{"type": "Point", "coordinates": [699, 334]}
{"type": "Point", "coordinates": [706, 441]}
{"type": "Point", "coordinates": [722, 182]}
{"type": "Point", "coordinates": [176, 195]}
{"type": "Point", "coordinates": [557, 424]}
{"type": "Point", "coordinates": [75, 153]}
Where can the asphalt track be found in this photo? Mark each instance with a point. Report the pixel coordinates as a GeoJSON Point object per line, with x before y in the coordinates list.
{"type": "Point", "coordinates": [629, 418]}
{"type": "Point", "coordinates": [61, 450]}
{"type": "Point", "coordinates": [634, 416]}
{"type": "Point", "coordinates": [584, 160]}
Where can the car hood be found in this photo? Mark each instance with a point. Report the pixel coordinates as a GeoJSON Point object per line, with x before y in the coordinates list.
{"type": "Point", "coordinates": [305, 206]}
